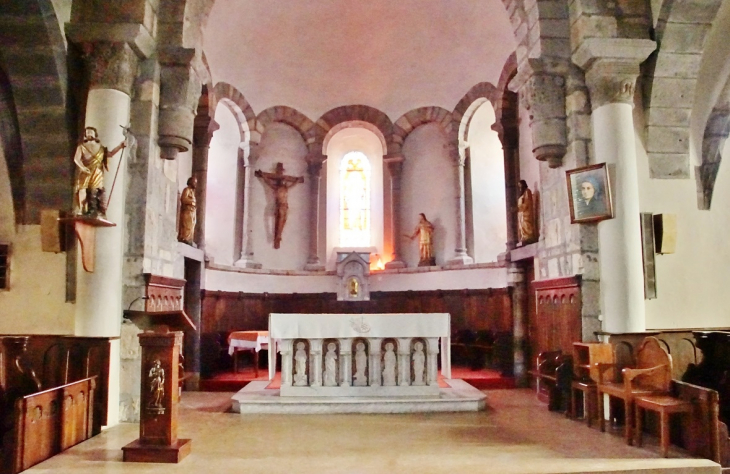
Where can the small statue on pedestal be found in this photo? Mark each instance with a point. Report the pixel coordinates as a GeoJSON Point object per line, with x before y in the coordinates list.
{"type": "Point", "coordinates": [330, 366]}
{"type": "Point", "coordinates": [91, 160]}
{"type": "Point", "coordinates": [280, 183]}
{"type": "Point", "coordinates": [389, 360]}
{"type": "Point", "coordinates": [419, 363]}
{"type": "Point", "coordinates": [361, 363]}
{"type": "Point", "coordinates": [525, 215]}
{"type": "Point", "coordinates": [424, 230]}
{"type": "Point", "coordinates": [300, 366]}
{"type": "Point", "coordinates": [156, 377]}
{"type": "Point", "coordinates": [188, 209]}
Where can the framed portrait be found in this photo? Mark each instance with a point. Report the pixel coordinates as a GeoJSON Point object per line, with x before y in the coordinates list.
{"type": "Point", "coordinates": [589, 192]}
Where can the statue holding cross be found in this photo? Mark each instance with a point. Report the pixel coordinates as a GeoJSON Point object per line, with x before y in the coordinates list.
{"type": "Point", "coordinates": [280, 183]}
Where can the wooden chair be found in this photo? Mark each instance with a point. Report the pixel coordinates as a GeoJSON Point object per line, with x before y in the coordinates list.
{"type": "Point", "coordinates": [585, 376]}
{"type": "Point", "coordinates": [550, 365]}
{"type": "Point", "coordinates": [652, 375]}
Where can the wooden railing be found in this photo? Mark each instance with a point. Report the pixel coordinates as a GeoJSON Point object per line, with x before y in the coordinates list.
{"type": "Point", "coordinates": [48, 422]}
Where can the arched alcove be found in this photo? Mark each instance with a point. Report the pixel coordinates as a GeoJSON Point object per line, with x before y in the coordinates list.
{"type": "Point", "coordinates": [486, 206]}
{"type": "Point", "coordinates": [346, 140]}
{"type": "Point", "coordinates": [221, 187]}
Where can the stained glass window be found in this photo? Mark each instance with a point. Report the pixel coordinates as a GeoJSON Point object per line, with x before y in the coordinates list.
{"type": "Point", "coordinates": [355, 200]}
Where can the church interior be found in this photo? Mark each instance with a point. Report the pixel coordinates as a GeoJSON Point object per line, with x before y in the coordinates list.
{"type": "Point", "coordinates": [349, 198]}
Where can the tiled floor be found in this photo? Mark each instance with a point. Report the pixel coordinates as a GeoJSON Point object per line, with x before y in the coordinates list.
{"type": "Point", "coordinates": [515, 435]}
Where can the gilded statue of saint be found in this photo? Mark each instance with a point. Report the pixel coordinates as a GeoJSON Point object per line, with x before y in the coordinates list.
{"type": "Point", "coordinates": [157, 384]}
{"type": "Point", "coordinates": [280, 183]}
{"type": "Point", "coordinates": [188, 208]}
{"type": "Point", "coordinates": [424, 232]}
{"type": "Point", "coordinates": [91, 160]}
{"type": "Point", "coordinates": [525, 214]}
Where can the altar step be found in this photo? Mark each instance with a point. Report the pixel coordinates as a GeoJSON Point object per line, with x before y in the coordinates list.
{"type": "Point", "coordinates": [257, 398]}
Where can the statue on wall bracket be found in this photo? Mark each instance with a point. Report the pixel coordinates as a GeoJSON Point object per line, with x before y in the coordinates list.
{"type": "Point", "coordinates": [424, 232]}
{"type": "Point", "coordinates": [525, 215]}
{"type": "Point", "coordinates": [280, 183]}
{"type": "Point", "coordinates": [188, 209]}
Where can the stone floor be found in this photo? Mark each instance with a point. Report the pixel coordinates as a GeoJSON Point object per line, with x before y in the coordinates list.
{"type": "Point", "coordinates": [515, 434]}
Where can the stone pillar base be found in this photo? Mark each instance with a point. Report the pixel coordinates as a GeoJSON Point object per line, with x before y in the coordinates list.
{"type": "Point", "coordinates": [314, 267]}
{"type": "Point", "coordinates": [460, 259]}
{"type": "Point", "coordinates": [397, 263]}
{"type": "Point", "coordinates": [247, 261]}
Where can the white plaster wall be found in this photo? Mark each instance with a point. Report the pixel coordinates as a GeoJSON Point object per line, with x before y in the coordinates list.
{"type": "Point", "coordinates": [691, 283]}
{"type": "Point", "coordinates": [221, 188]}
{"type": "Point", "coordinates": [477, 278]}
{"type": "Point", "coordinates": [33, 305]}
{"type": "Point", "coordinates": [392, 55]}
{"type": "Point", "coordinates": [345, 141]}
{"type": "Point", "coordinates": [487, 187]}
{"type": "Point", "coordinates": [281, 143]}
{"type": "Point", "coordinates": [429, 186]}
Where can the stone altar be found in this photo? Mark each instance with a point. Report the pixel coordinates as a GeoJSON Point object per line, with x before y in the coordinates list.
{"type": "Point", "coordinates": [346, 355]}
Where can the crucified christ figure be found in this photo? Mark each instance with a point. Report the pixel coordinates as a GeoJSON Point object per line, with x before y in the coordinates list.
{"type": "Point", "coordinates": [280, 183]}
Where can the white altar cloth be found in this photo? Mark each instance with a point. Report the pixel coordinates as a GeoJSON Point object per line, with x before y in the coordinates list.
{"type": "Point", "coordinates": [320, 326]}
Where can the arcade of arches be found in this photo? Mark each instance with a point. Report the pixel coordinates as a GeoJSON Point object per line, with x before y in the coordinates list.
{"type": "Point", "coordinates": [446, 105]}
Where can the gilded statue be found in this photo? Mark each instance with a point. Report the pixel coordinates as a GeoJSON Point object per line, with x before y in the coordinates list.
{"type": "Point", "coordinates": [156, 378]}
{"type": "Point", "coordinates": [424, 232]}
{"type": "Point", "coordinates": [91, 160]}
{"type": "Point", "coordinates": [188, 208]}
{"type": "Point", "coordinates": [280, 183]}
{"type": "Point", "coordinates": [525, 214]}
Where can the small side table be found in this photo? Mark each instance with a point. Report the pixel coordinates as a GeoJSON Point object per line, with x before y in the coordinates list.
{"type": "Point", "coordinates": [665, 405]}
{"type": "Point", "coordinates": [252, 341]}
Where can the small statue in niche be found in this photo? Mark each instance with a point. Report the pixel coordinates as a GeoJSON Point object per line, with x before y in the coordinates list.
{"type": "Point", "coordinates": [280, 183]}
{"type": "Point", "coordinates": [389, 366]}
{"type": "Point", "coordinates": [419, 363]}
{"type": "Point", "coordinates": [156, 378]}
{"type": "Point", "coordinates": [361, 363]}
{"type": "Point", "coordinates": [188, 207]}
{"type": "Point", "coordinates": [91, 160]}
{"type": "Point", "coordinates": [525, 214]}
{"type": "Point", "coordinates": [300, 366]}
{"type": "Point", "coordinates": [424, 232]}
{"type": "Point", "coordinates": [330, 366]}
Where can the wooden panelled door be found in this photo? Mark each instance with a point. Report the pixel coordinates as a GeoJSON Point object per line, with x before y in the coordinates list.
{"type": "Point", "coordinates": [555, 322]}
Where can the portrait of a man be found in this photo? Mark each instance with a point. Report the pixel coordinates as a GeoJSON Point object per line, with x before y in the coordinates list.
{"type": "Point", "coordinates": [589, 193]}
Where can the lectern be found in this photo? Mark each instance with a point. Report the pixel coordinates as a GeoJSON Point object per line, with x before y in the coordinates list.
{"type": "Point", "coordinates": [159, 398]}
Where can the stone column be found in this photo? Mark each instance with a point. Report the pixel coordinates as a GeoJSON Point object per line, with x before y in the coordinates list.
{"type": "Point", "coordinates": [345, 362]}
{"type": "Point", "coordinates": [180, 90]}
{"type": "Point", "coordinates": [112, 68]}
{"type": "Point", "coordinates": [541, 85]}
{"type": "Point", "coordinates": [460, 257]}
{"type": "Point", "coordinates": [432, 346]}
{"type": "Point", "coordinates": [518, 285]}
{"type": "Point", "coordinates": [404, 361]}
{"type": "Point", "coordinates": [395, 168]}
{"type": "Point", "coordinates": [314, 169]}
{"type": "Point", "coordinates": [204, 127]}
{"type": "Point", "coordinates": [315, 362]}
{"type": "Point", "coordinates": [286, 349]}
{"type": "Point", "coordinates": [612, 66]}
{"type": "Point", "coordinates": [247, 258]}
{"type": "Point", "coordinates": [375, 377]}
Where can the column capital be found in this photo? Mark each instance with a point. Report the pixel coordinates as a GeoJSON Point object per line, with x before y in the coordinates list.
{"type": "Point", "coordinates": [110, 66]}
{"type": "Point", "coordinates": [611, 67]}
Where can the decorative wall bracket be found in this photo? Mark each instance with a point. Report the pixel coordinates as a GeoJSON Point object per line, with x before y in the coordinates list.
{"type": "Point", "coordinates": [85, 230]}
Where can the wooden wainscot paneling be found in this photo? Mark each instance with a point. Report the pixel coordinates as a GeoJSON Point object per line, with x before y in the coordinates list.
{"type": "Point", "coordinates": [557, 322]}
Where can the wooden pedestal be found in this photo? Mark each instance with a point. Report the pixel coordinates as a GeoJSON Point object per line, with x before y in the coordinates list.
{"type": "Point", "coordinates": [159, 399]}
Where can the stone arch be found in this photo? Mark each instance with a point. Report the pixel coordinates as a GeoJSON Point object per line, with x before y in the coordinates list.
{"type": "Point", "coordinates": [350, 113]}
{"type": "Point", "coordinates": [292, 117]}
{"type": "Point", "coordinates": [353, 124]}
{"type": "Point", "coordinates": [238, 105]}
{"type": "Point", "coordinates": [42, 167]}
{"type": "Point", "coordinates": [477, 95]}
{"type": "Point", "coordinates": [11, 147]}
{"type": "Point", "coordinates": [671, 82]}
{"type": "Point", "coordinates": [417, 117]}
{"type": "Point", "coordinates": [713, 141]}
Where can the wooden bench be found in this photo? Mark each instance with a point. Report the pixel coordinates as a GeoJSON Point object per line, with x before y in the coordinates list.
{"type": "Point", "coordinates": [552, 378]}
{"type": "Point", "coordinates": [48, 422]}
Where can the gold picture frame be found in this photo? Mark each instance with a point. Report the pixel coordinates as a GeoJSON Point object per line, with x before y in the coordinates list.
{"type": "Point", "coordinates": [589, 194]}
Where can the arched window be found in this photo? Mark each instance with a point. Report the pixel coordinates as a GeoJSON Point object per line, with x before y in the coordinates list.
{"type": "Point", "coordinates": [355, 200]}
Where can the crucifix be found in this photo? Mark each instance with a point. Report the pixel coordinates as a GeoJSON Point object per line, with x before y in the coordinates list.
{"type": "Point", "coordinates": [280, 183]}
